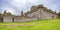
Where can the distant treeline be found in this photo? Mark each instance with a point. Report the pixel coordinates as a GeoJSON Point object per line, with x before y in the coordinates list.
{"type": "Point", "coordinates": [59, 15]}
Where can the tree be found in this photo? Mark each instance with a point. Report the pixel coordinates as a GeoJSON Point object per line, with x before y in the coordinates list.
{"type": "Point", "coordinates": [1, 15]}
{"type": "Point", "coordinates": [9, 14]}
{"type": "Point", "coordinates": [59, 15]}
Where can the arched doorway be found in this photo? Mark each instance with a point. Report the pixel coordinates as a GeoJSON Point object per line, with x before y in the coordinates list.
{"type": "Point", "coordinates": [12, 19]}
{"type": "Point", "coordinates": [52, 16]}
{"type": "Point", "coordinates": [1, 19]}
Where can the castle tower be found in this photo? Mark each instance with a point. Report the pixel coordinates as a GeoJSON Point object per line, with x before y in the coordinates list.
{"type": "Point", "coordinates": [33, 8]}
{"type": "Point", "coordinates": [5, 13]}
{"type": "Point", "coordinates": [55, 11]}
{"type": "Point", "coordinates": [21, 13]}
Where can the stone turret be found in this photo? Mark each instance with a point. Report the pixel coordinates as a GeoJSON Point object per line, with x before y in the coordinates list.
{"type": "Point", "coordinates": [55, 11]}
{"type": "Point", "coordinates": [33, 8]}
{"type": "Point", "coordinates": [22, 13]}
{"type": "Point", "coordinates": [5, 13]}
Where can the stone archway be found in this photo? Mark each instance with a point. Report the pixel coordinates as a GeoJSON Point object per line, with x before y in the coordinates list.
{"type": "Point", "coordinates": [12, 19]}
{"type": "Point", "coordinates": [53, 17]}
{"type": "Point", "coordinates": [1, 19]}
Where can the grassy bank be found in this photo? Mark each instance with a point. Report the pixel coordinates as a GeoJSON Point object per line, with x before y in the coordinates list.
{"type": "Point", "coordinates": [52, 24]}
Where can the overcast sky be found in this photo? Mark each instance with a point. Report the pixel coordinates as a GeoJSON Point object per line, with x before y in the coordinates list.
{"type": "Point", "coordinates": [16, 6]}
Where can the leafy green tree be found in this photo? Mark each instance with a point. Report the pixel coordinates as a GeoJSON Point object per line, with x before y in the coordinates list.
{"type": "Point", "coordinates": [9, 14]}
{"type": "Point", "coordinates": [1, 15]}
{"type": "Point", "coordinates": [59, 15]}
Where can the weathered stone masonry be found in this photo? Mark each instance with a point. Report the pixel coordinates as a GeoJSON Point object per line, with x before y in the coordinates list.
{"type": "Point", "coordinates": [36, 13]}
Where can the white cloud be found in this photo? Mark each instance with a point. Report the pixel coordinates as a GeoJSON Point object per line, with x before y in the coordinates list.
{"type": "Point", "coordinates": [8, 9]}
{"type": "Point", "coordinates": [17, 5]}
{"type": "Point", "coordinates": [32, 1]}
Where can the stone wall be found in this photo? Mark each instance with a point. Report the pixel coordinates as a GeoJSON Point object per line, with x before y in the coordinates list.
{"type": "Point", "coordinates": [7, 19]}
{"type": "Point", "coordinates": [36, 15]}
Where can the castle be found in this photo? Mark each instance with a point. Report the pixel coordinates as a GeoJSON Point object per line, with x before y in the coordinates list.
{"type": "Point", "coordinates": [36, 13]}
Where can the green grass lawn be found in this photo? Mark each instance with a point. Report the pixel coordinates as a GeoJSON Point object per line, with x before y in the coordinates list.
{"type": "Point", "coordinates": [52, 24]}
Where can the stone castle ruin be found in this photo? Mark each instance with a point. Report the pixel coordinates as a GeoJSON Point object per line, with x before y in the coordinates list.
{"type": "Point", "coordinates": [36, 13]}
